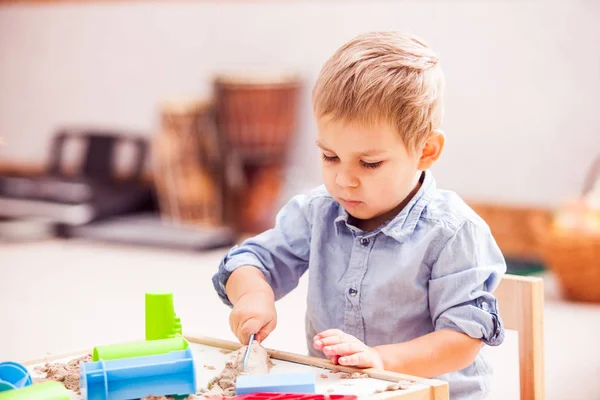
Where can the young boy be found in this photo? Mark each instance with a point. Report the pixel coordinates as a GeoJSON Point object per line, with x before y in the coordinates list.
{"type": "Point", "coordinates": [401, 273]}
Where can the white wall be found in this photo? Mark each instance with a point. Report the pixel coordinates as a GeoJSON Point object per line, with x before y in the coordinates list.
{"type": "Point", "coordinates": [523, 77]}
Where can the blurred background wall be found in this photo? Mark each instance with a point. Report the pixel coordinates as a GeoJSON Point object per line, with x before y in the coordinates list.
{"type": "Point", "coordinates": [522, 76]}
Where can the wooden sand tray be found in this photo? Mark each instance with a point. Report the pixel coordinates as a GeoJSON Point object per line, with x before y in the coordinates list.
{"type": "Point", "coordinates": [211, 354]}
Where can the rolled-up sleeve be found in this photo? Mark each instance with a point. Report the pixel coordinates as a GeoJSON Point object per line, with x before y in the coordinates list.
{"type": "Point", "coordinates": [467, 270]}
{"type": "Point", "coordinates": [280, 253]}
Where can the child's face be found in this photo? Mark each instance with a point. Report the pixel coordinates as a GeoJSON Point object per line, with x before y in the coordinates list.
{"type": "Point", "coordinates": [368, 170]}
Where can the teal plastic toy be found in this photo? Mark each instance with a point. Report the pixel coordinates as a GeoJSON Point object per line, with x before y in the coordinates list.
{"type": "Point", "coordinates": [47, 391]}
{"type": "Point", "coordinates": [161, 320]}
{"type": "Point", "coordinates": [139, 349]}
{"type": "Point", "coordinates": [13, 376]}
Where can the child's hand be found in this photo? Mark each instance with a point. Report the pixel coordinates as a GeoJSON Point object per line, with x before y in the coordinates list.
{"type": "Point", "coordinates": [344, 349]}
{"type": "Point", "coordinates": [254, 312]}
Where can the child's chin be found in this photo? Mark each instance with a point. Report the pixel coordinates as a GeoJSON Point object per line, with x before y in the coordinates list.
{"type": "Point", "coordinates": [359, 214]}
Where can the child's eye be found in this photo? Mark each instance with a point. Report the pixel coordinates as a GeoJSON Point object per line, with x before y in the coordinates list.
{"type": "Point", "coordinates": [329, 158]}
{"type": "Point", "coordinates": [371, 165]}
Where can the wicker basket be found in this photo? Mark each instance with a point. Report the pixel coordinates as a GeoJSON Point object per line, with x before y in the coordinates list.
{"type": "Point", "coordinates": [576, 262]}
{"type": "Point", "coordinates": [574, 255]}
{"type": "Point", "coordinates": [515, 229]}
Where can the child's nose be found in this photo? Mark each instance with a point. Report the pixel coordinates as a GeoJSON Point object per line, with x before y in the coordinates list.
{"type": "Point", "coordinates": [344, 179]}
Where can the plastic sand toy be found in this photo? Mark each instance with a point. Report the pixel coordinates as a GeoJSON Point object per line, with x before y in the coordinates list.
{"type": "Point", "coordinates": [161, 320]}
{"type": "Point", "coordinates": [47, 391]}
{"type": "Point", "coordinates": [13, 376]}
{"type": "Point", "coordinates": [139, 349]}
{"type": "Point", "coordinates": [133, 378]}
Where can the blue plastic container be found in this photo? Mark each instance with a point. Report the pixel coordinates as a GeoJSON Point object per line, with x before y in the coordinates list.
{"type": "Point", "coordinates": [171, 374]}
{"type": "Point", "coordinates": [275, 383]}
{"type": "Point", "coordinates": [13, 376]}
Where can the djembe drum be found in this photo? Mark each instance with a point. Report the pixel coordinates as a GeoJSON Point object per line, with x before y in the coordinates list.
{"type": "Point", "coordinates": [187, 164]}
{"type": "Point", "coordinates": [257, 118]}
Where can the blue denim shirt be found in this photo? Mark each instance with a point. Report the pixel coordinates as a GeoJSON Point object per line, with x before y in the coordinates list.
{"type": "Point", "coordinates": [433, 266]}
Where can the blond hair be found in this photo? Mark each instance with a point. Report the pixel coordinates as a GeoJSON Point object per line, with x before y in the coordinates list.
{"type": "Point", "coordinates": [383, 77]}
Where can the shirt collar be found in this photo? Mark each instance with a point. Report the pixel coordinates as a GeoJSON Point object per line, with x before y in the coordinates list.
{"type": "Point", "coordinates": [402, 225]}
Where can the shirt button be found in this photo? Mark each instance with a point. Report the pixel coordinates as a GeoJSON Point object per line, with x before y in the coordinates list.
{"type": "Point", "coordinates": [353, 292]}
{"type": "Point", "coordinates": [364, 241]}
{"type": "Point", "coordinates": [485, 306]}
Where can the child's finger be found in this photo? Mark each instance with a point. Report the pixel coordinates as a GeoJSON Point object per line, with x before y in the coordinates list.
{"type": "Point", "coordinates": [328, 351]}
{"type": "Point", "coordinates": [345, 349]}
{"type": "Point", "coordinates": [250, 326]}
{"type": "Point", "coordinates": [234, 324]}
{"type": "Point", "coordinates": [265, 331]}
{"type": "Point", "coordinates": [327, 341]}
{"type": "Point", "coordinates": [329, 332]}
{"type": "Point", "coordinates": [356, 360]}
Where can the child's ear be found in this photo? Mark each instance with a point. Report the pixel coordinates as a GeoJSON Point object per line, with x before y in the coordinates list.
{"type": "Point", "coordinates": [432, 149]}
